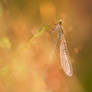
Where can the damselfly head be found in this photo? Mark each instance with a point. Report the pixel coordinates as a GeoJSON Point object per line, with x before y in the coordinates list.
{"type": "Point", "coordinates": [60, 21]}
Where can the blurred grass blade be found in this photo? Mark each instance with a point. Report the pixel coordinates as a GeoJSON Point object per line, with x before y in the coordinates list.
{"type": "Point", "coordinates": [40, 32]}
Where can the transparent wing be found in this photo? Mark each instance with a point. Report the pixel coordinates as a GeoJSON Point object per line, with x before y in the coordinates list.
{"type": "Point", "coordinates": [64, 56]}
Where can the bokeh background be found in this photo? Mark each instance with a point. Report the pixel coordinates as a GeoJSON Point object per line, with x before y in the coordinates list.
{"type": "Point", "coordinates": [23, 64]}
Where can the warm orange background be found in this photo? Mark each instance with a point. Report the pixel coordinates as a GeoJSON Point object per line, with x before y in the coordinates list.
{"type": "Point", "coordinates": [23, 65]}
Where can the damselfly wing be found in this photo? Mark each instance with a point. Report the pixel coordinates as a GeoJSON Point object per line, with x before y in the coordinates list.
{"type": "Point", "coordinates": [65, 58]}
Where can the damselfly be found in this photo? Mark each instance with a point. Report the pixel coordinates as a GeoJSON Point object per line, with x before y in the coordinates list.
{"type": "Point", "coordinates": [64, 54]}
